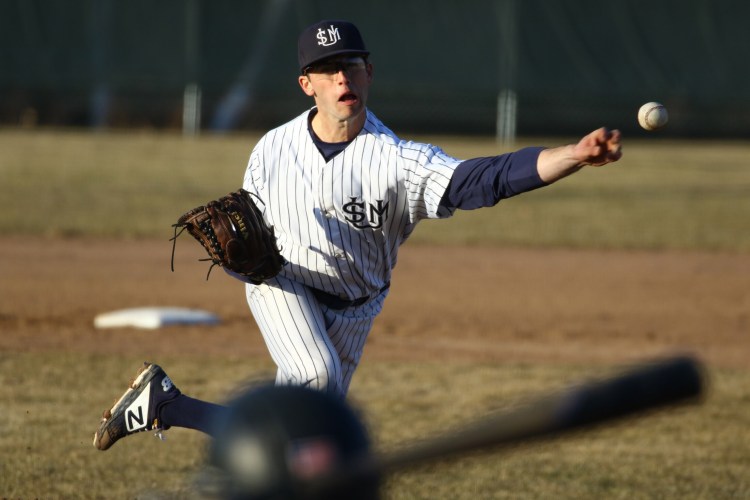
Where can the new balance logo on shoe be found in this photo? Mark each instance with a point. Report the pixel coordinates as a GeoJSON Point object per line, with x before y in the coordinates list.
{"type": "Point", "coordinates": [136, 416]}
{"type": "Point", "coordinates": [138, 409]}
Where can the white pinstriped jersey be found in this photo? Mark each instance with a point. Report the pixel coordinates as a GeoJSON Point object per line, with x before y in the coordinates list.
{"type": "Point", "coordinates": [340, 223]}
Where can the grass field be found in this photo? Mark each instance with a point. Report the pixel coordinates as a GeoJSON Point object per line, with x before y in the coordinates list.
{"type": "Point", "coordinates": [691, 452]}
{"type": "Point", "coordinates": [662, 197]}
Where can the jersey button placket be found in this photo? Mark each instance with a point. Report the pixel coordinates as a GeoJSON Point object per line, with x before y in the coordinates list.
{"type": "Point", "coordinates": [327, 204]}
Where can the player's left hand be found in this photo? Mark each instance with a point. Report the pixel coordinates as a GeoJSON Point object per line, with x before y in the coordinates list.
{"type": "Point", "coordinates": [598, 148]}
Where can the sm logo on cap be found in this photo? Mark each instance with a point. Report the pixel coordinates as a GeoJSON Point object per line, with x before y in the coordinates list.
{"type": "Point", "coordinates": [328, 37]}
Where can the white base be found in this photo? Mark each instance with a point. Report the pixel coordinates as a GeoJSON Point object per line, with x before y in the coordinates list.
{"type": "Point", "coordinates": [154, 317]}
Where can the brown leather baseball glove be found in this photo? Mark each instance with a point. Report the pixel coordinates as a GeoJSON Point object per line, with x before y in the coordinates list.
{"type": "Point", "coordinates": [234, 234]}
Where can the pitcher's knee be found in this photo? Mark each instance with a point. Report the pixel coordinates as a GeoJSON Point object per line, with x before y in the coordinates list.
{"type": "Point", "coordinates": [326, 383]}
{"type": "Point", "coordinates": [329, 381]}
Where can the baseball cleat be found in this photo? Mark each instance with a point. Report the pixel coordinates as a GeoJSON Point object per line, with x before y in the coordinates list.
{"type": "Point", "coordinates": [138, 409]}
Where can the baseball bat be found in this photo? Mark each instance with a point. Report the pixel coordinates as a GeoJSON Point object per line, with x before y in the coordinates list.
{"type": "Point", "coordinates": [647, 387]}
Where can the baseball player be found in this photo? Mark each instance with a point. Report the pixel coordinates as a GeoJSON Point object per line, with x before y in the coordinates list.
{"type": "Point", "coordinates": [342, 192]}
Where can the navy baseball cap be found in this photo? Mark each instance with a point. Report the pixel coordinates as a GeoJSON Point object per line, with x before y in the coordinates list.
{"type": "Point", "coordinates": [328, 38]}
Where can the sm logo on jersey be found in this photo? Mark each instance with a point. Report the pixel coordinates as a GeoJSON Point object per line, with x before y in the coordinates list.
{"type": "Point", "coordinates": [360, 217]}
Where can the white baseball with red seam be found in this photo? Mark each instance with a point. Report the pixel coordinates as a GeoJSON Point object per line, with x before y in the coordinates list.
{"type": "Point", "coordinates": [652, 116]}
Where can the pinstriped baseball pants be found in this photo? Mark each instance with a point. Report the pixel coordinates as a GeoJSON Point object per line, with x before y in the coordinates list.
{"type": "Point", "coordinates": [311, 344]}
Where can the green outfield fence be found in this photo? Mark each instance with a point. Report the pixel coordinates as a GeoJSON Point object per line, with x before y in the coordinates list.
{"type": "Point", "coordinates": [506, 67]}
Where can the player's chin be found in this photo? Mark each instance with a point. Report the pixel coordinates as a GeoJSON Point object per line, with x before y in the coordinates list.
{"type": "Point", "coordinates": [350, 110]}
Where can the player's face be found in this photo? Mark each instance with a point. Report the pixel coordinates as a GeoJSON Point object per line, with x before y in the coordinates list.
{"type": "Point", "coordinates": [339, 85]}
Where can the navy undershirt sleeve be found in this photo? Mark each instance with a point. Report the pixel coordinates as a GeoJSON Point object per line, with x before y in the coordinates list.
{"type": "Point", "coordinates": [483, 182]}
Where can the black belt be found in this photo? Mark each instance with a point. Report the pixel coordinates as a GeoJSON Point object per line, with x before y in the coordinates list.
{"type": "Point", "coordinates": [336, 302]}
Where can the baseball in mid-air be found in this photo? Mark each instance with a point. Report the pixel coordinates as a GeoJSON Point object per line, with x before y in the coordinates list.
{"type": "Point", "coordinates": [652, 116]}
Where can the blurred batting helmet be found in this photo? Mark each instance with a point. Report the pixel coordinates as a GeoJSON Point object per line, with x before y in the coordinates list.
{"type": "Point", "coordinates": [293, 443]}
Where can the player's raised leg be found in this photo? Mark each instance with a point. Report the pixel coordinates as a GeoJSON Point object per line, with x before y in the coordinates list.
{"type": "Point", "coordinates": [153, 403]}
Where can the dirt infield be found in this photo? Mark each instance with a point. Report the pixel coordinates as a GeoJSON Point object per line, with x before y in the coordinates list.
{"type": "Point", "coordinates": [489, 304]}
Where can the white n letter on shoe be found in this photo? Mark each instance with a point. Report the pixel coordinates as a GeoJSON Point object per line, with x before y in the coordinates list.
{"type": "Point", "coordinates": [137, 412]}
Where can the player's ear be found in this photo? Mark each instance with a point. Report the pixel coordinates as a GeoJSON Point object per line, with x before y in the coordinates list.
{"type": "Point", "coordinates": [306, 85]}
